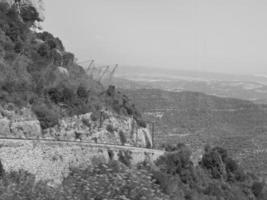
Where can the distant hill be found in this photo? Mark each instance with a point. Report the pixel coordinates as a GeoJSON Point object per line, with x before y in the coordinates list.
{"type": "Point", "coordinates": [197, 119]}
{"type": "Point", "coordinates": [247, 87]}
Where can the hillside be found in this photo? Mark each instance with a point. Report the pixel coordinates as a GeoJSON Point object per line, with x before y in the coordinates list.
{"type": "Point", "coordinates": [197, 119]}
{"type": "Point", "coordinates": [39, 73]}
{"type": "Point", "coordinates": [64, 136]}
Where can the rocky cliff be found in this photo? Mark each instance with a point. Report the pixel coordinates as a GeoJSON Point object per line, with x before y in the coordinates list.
{"type": "Point", "coordinates": [109, 128]}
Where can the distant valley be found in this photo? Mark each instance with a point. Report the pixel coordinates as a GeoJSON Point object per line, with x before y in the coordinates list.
{"type": "Point", "coordinates": [196, 118]}
{"type": "Point", "coordinates": [247, 87]}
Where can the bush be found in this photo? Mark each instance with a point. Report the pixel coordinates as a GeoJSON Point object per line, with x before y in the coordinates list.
{"type": "Point", "coordinates": [52, 41]}
{"type": "Point", "coordinates": [125, 157]}
{"type": "Point", "coordinates": [111, 181]}
{"type": "Point", "coordinates": [122, 137]}
{"type": "Point", "coordinates": [141, 123]}
{"type": "Point", "coordinates": [55, 95]}
{"type": "Point", "coordinates": [22, 185]}
{"type": "Point", "coordinates": [212, 161]}
{"type": "Point", "coordinates": [4, 7]}
{"type": "Point", "coordinates": [110, 128]}
{"type": "Point", "coordinates": [257, 188]}
{"type": "Point", "coordinates": [2, 171]}
{"type": "Point", "coordinates": [29, 14]}
{"type": "Point", "coordinates": [46, 115]}
{"type": "Point", "coordinates": [175, 162]}
{"type": "Point", "coordinates": [82, 92]}
{"type": "Point", "coordinates": [220, 165]}
{"type": "Point", "coordinates": [68, 59]}
{"type": "Point", "coordinates": [44, 50]}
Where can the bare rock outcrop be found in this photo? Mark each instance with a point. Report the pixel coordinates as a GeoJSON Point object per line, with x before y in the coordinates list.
{"type": "Point", "coordinates": [109, 128]}
{"type": "Point", "coordinates": [18, 123]}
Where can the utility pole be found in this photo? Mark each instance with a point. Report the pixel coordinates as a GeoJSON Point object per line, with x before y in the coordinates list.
{"type": "Point", "coordinates": [101, 119]}
{"type": "Point", "coordinates": [153, 133]}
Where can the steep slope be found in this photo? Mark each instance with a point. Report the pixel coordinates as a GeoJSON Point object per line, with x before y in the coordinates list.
{"type": "Point", "coordinates": [39, 75]}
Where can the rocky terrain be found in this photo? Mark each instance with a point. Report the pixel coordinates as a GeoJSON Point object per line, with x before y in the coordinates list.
{"type": "Point", "coordinates": [110, 129]}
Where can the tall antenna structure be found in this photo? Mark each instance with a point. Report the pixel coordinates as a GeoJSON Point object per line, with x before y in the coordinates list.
{"type": "Point", "coordinates": [103, 73]}
{"type": "Point", "coordinates": [89, 68]}
{"type": "Point", "coordinates": [112, 73]}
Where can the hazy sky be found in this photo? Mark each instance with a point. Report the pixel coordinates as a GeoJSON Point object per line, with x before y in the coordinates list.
{"type": "Point", "coordinates": [211, 35]}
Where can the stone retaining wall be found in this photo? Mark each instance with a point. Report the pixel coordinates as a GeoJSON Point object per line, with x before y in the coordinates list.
{"type": "Point", "coordinates": [51, 160]}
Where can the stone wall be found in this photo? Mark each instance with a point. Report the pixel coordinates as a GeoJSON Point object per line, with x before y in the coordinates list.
{"type": "Point", "coordinates": [52, 160]}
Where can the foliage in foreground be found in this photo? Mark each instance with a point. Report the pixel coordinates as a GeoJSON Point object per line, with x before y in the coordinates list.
{"type": "Point", "coordinates": [171, 177]}
{"type": "Point", "coordinates": [106, 181]}
{"type": "Point", "coordinates": [217, 176]}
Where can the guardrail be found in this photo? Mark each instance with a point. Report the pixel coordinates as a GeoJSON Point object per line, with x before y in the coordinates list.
{"type": "Point", "coordinates": [78, 142]}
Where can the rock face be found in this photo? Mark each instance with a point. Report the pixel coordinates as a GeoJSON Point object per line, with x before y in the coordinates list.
{"type": "Point", "coordinates": [109, 128]}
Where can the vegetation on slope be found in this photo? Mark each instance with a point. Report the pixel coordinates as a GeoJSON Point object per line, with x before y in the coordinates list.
{"type": "Point", "coordinates": [196, 119]}
{"type": "Point", "coordinates": [172, 177]}
{"type": "Point", "coordinates": [37, 71]}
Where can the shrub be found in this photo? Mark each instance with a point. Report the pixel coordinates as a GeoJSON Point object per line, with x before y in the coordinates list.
{"type": "Point", "coordinates": [125, 157]}
{"type": "Point", "coordinates": [53, 41]}
{"type": "Point", "coordinates": [22, 185]}
{"type": "Point", "coordinates": [111, 91]}
{"type": "Point", "coordinates": [4, 6]}
{"type": "Point", "coordinates": [82, 92]}
{"type": "Point", "coordinates": [55, 95]}
{"type": "Point", "coordinates": [110, 154]}
{"type": "Point", "coordinates": [141, 123]}
{"type": "Point", "coordinates": [46, 115]}
{"type": "Point", "coordinates": [220, 165]}
{"type": "Point", "coordinates": [122, 137]}
{"type": "Point", "coordinates": [110, 128]}
{"type": "Point", "coordinates": [2, 171]}
{"type": "Point", "coordinates": [212, 161]}
{"type": "Point", "coordinates": [44, 50]}
{"type": "Point", "coordinates": [29, 14]}
{"type": "Point", "coordinates": [86, 122]}
{"type": "Point", "coordinates": [68, 59]}
{"type": "Point", "coordinates": [175, 162]}
{"type": "Point", "coordinates": [111, 181]}
{"type": "Point", "coordinates": [257, 188]}
{"type": "Point", "coordinates": [95, 116]}
{"type": "Point", "coordinates": [67, 95]}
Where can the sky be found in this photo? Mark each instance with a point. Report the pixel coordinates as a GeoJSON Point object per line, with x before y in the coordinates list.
{"type": "Point", "coordinates": [205, 35]}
